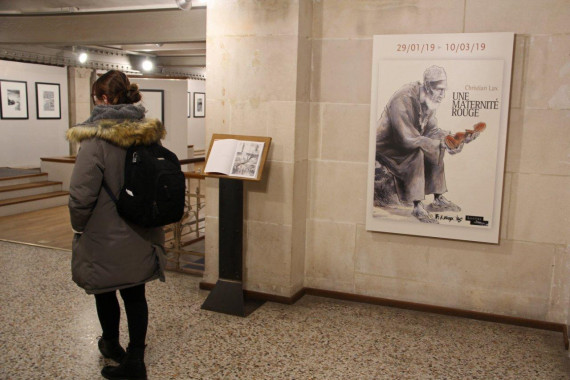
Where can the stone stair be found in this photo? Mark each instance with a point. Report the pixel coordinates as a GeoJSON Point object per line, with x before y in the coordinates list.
{"type": "Point", "coordinates": [24, 193]}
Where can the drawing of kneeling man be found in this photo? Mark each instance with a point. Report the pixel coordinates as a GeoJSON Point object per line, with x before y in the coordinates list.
{"type": "Point", "coordinates": [410, 148]}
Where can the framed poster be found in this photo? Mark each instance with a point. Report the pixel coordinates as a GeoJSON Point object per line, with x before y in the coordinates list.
{"type": "Point", "coordinates": [13, 99]}
{"type": "Point", "coordinates": [199, 104]}
{"type": "Point", "coordinates": [438, 127]}
{"type": "Point", "coordinates": [189, 104]}
{"type": "Point", "coordinates": [48, 101]}
{"type": "Point", "coordinates": [153, 102]}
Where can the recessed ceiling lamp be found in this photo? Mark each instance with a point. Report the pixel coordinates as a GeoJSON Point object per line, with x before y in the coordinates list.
{"type": "Point", "coordinates": [82, 57]}
{"type": "Point", "coordinates": [184, 4]}
{"type": "Point", "coordinates": [147, 65]}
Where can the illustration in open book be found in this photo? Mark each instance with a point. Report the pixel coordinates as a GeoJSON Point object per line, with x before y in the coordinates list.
{"type": "Point", "coordinates": [237, 158]}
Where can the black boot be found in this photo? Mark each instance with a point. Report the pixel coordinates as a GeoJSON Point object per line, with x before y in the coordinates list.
{"type": "Point", "coordinates": [111, 349]}
{"type": "Point", "coordinates": [131, 368]}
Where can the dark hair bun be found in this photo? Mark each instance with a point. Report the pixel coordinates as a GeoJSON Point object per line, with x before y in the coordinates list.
{"type": "Point", "coordinates": [133, 93]}
{"type": "Point", "coordinates": [117, 87]}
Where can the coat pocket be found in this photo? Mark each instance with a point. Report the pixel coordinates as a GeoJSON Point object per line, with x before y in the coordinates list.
{"type": "Point", "coordinates": [78, 262]}
{"type": "Point", "coordinates": [160, 255]}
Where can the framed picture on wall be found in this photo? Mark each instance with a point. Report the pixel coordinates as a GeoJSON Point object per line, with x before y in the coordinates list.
{"type": "Point", "coordinates": [199, 104]}
{"type": "Point", "coordinates": [189, 104]}
{"type": "Point", "coordinates": [438, 128]}
{"type": "Point", "coordinates": [48, 101]}
{"type": "Point", "coordinates": [153, 102]}
{"type": "Point", "coordinates": [13, 99]}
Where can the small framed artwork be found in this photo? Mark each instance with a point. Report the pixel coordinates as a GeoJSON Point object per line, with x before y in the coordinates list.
{"type": "Point", "coordinates": [189, 104]}
{"type": "Point", "coordinates": [13, 99]}
{"type": "Point", "coordinates": [199, 104]}
{"type": "Point", "coordinates": [153, 102]}
{"type": "Point", "coordinates": [48, 101]}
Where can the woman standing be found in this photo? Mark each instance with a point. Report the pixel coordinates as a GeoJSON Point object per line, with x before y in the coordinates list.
{"type": "Point", "coordinates": [110, 253]}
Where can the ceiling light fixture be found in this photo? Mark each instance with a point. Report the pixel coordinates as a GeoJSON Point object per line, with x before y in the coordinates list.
{"type": "Point", "coordinates": [82, 57]}
{"type": "Point", "coordinates": [184, 4]}
{"type": "Point", "coordinates": [147, 65]}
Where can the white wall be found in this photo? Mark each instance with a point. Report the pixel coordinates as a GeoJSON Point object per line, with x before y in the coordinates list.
{"type": "Point", "coordinates": [196, 126]}
{"type": "Point", "coordinates": [175, 118]}
{"type": "Point", "coordinates": [24, 142]}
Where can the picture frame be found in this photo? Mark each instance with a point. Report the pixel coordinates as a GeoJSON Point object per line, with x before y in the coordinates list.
{"type": "Point", "coordinates": [199, 104]}
{"type": "Point", "coordinates": [451, 187]}
{"type": "Point", "coordinates": [189, 104]}
{"type": "Point", "coordinates": [13, 99]}
{"type": "Point", "coordinates": [153, 102]}
{"type": "Point", "coordinates": [48, 100]}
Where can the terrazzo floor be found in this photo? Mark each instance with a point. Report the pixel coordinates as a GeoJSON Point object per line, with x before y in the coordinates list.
{"type": "Point", "coordinates": [49, 330]}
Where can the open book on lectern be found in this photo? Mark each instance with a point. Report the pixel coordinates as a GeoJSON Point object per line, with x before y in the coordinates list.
{"type": "Point", "coordinates": [237, 156]}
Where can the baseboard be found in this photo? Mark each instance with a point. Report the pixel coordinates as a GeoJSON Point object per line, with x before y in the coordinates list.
{"type": "Point", "coordinates": [35, 245]}
{"type": "Point", "coordinates": [497, 318]}
{"type": "Point", "coordinates": [260, 296]}
{"type": "Point", "coordinates": [532, 323]}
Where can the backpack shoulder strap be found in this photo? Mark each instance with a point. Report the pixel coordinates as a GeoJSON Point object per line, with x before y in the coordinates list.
{"type": "Point", "coordinates": [108, 190]}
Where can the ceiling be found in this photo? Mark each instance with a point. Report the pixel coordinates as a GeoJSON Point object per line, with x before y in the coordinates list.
{"type": "Point", "coordinates": [180, 59]}
{"type": "Point", "coordinates": [71, 6]}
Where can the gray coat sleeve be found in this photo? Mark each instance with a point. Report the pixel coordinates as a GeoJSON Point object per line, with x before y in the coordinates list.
{"type": "Point", "coordinates": [85, 185]}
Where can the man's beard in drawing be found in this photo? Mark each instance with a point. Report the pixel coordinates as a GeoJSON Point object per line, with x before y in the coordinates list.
{"type": "Point", "coordinates": [430, 103]}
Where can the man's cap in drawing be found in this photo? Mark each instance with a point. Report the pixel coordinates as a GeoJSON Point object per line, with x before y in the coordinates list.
{"type": "Point", "coordinates": [434, 74]}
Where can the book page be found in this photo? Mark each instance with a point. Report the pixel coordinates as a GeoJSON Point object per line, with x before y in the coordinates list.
{"type": "Point", "coordinates": [247, 159]}
{"type": "Point", "coordinates": [221, 157]}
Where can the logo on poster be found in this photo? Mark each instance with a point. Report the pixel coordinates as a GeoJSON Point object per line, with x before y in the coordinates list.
{"type": "Point", "coordinates": [476, 220]}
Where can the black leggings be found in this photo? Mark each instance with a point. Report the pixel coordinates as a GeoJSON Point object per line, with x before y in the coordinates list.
{"type": "Point", "coordinates": [136, 309]}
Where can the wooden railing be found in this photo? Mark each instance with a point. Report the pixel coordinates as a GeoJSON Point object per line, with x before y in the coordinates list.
{"type": "Point", "coordinates": [190, 229]}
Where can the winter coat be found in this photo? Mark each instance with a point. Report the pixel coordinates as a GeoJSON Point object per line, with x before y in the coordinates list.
{"type": "Point", "coordinates": [110, 253]}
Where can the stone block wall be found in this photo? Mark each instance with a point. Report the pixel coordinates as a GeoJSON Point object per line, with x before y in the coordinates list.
{"type": "Point", "coordinates": [300, 72]}
{"type": "Point", "coordinates": [256, 52]}
{"type": "Point", "coordinates": [528, 273]}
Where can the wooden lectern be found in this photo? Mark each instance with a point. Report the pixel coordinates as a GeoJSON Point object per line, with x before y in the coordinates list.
{"type": "Point", "coordinates": [247, 164]}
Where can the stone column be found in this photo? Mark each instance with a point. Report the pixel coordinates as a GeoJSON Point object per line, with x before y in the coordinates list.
{"type": "Point", "coordinates": [258, 70]}
{"type": "Point", "coordinates": [80, 104]}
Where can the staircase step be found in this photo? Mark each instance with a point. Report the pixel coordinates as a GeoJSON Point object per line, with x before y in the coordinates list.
{"type": "Point", "coordinates": [33, 202]}
{"type": "Point", "coordinates": [27, 178]}
{"type": "Point", "coordinates": [25, 189]}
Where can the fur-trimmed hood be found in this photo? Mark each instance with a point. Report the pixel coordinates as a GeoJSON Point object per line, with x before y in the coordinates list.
{"type": "Point", "coordinates": [122, 125]}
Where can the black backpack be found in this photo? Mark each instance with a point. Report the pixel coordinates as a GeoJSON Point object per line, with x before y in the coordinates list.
{"type": "Point", "coordinates": [154, 191]}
